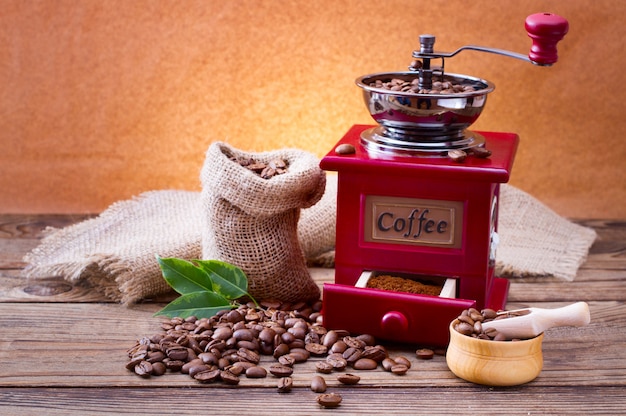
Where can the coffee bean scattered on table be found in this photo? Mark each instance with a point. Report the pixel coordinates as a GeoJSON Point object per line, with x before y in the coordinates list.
{"type": "Point", "coordinates": [318, 384]}
{"type": "Point", "coordinates": [229, 346]}
{"type": "Point", "coordinates": [329, 400]}
{"type": "Point", "coordinates": [285, 384]}
{"type": "Point", "coordinates": [425, 353]}
{"type": "Point", "coordinates": [348, 378]}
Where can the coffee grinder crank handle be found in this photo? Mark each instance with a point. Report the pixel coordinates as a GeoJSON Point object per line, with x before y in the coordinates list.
{"type": "Point", "coordinates": [544, 29]}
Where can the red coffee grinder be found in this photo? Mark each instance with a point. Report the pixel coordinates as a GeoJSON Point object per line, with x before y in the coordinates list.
{"type": "Point", "coordinates": [418, 196]}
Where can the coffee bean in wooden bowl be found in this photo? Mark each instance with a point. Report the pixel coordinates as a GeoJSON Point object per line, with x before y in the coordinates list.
{"type": "Point", "coordinates": [488, 360]}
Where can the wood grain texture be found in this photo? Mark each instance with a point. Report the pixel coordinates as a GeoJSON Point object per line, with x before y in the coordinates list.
{"type": "Point", "coordinates": [386, 401]}
{"type": "Point", "coordinates": [63, 351]}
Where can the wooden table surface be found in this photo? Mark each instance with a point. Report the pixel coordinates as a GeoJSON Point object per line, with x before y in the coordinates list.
{"type": "Point", "coordinates": [63, 351]}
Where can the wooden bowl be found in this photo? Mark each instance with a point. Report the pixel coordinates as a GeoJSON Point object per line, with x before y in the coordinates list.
{"type": "Point", "coordinates": [494, 363]}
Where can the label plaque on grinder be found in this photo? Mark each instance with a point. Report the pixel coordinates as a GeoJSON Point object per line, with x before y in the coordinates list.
{"type": "Point", "coordinates": [413, 221]}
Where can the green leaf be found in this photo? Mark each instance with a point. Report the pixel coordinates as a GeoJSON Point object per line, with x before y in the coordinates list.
{"type": "Point", "coordinates": [200, 304]}
{"type": "Point", "coordinates": [228, 280]}
{"type": "Point", "coordinates": [183, 276]}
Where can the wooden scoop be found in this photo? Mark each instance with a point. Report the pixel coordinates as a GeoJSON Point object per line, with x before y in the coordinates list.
{"type": "Point", "coordinates": [530, 322]}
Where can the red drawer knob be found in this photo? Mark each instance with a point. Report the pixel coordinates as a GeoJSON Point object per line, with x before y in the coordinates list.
{"type": "Point", "coordinates": [394, 322]}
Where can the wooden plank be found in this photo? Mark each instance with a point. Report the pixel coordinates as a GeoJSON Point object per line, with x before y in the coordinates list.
{"type": "Point", "coordinates": [31, 225]}
{"type": "Point", "coordinates": [465, 400]}
{"type": "Point", "coordinates": [75, 344]}
{"type": "Point", "coordinates": [609, 249]}
{"type": "Point", "coordinates": [16, 288]}
{"type": "Point", "coordinates": [20, 233]}
{"type": "Point", "coordinates": [566, 291]}
{"type": "Point", "coordinates": [611, 229]}
{"type": "Point", "coordinates": [585, 274]}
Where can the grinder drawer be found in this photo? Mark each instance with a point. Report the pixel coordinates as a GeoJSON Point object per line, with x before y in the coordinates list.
{"type": "Point", "coordinates": [389, 315]}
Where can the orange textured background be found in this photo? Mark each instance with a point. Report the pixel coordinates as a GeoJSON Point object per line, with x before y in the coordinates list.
{"type": "Point", "coordinates": [103, 100]}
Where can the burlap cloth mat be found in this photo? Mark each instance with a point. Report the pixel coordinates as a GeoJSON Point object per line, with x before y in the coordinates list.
{"type": "Point", "coordinates": [115, 252]}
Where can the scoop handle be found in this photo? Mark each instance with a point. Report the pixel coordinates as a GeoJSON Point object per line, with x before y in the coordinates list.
{"type": "Point", "coordinates": [538, 320]}
{"type": "Point", "coordinates": [576, 314]}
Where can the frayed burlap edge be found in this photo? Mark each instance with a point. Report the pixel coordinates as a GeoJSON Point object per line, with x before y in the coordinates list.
{"type": "Point", "coordinates": [536, 241]}
{"type": "Point", "coordinates": [114, 253]}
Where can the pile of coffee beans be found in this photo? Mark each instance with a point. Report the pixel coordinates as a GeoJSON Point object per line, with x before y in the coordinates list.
{"type": "Point", "coordinates": [229, 345]}
{"type": "Point", "coordinates": [470, 323]}
{"type": "Point", "coordinates": [438, 87]}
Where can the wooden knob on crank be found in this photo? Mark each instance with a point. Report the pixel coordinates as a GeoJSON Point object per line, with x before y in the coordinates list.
{"type": "Point", "coordinates": [545, 30]}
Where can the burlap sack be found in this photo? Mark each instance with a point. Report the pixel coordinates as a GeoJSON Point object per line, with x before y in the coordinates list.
{"type": "Point", "coordinates": [252, 222]}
